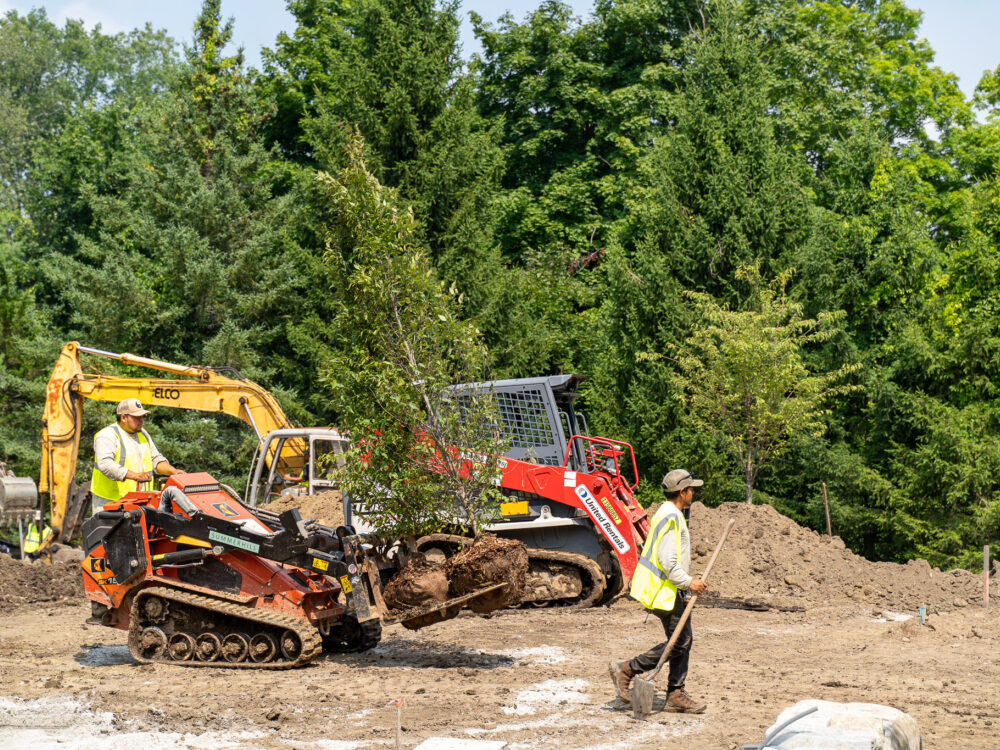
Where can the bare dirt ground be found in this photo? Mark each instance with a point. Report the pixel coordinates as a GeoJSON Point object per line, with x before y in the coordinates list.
{"type": "Point", "coordinates": [538, 678]}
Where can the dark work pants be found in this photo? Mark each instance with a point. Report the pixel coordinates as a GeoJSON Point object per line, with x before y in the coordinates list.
{"type": "Point", "coordinates": [678, 655]}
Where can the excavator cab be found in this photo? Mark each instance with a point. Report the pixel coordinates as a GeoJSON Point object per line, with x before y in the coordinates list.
{"type": "Point", "coordinates": [295, 461]}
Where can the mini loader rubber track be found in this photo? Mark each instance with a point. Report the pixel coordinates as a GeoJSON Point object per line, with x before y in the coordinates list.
{"type": "Point", "coordinates": [590, 572]}
{"type": "Point", "coordinates": [363, 636]}
{"type": "Point", "coordinates": [256, 620]}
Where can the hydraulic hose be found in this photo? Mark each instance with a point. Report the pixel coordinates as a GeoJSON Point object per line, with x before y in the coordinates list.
{"type": "Point", "coordinates": [174, 494]}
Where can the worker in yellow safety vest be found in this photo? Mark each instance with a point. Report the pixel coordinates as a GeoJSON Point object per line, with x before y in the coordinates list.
{"type": "Point", "coordinates": [125, 456]}
{"type": "Point", "coordinates": [661, 583]}
{"type": "Point", "coordinates": [38, 532]}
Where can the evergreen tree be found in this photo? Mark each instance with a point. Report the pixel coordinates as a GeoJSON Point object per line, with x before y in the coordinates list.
{"type": "Point", "coordinates": [717, 193]}
{"type": "Point", "coordinates": [170, 249]}
{"type": "Point", "coordinates": [28, 349]}
{"type": "Point", "coordinates": [391, 69]}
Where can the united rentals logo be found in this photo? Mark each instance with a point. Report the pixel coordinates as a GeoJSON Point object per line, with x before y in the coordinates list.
{"type": "Point", "coordinates": [601, 517]}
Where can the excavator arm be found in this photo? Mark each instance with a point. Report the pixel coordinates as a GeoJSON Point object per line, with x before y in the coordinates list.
{"type": "Point", "coordinates": [198, 388]}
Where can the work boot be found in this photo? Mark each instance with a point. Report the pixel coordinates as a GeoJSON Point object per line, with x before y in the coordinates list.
{"type": "Point", "coordinates": [678, 700]}
{"type": "Point", "coordinates": [621, 676]}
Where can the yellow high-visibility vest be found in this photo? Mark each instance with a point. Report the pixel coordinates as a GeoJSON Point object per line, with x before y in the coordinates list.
{"type": "Point", "coordinates": [127, 455]}
{"type": "Point", "coordinates": [34, 538]}
{"type": "Point", "coordinates": [650, 584]}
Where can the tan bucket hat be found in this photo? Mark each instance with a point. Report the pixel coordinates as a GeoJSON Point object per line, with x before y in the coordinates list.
{"type": "Point", "coordinates": [680, 479]}
{"type": "Point", "coordinates": [131, 407]}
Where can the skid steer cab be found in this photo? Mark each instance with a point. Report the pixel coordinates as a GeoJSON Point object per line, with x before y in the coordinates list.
{"type": "Point", "coordinates": [199, 578]}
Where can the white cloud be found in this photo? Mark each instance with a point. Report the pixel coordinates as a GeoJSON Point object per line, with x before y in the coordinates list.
{"type": "Point", "coordinates": [91, 16]}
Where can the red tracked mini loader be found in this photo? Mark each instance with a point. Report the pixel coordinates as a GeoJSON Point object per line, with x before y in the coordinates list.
{"type": "Point", "coordinates": [199, 579]}
{"type": "Point", "coordinates": [570, 496]}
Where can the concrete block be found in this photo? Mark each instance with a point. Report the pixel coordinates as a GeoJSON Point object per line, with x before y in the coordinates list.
{"type": "Point", "coordinates": [845, 726]}
{"type": "Point", "coordinates": [450, 743]}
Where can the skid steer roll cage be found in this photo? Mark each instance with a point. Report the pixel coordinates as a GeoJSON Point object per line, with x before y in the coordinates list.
{"type": "Point", "coordinates": [602, 454]}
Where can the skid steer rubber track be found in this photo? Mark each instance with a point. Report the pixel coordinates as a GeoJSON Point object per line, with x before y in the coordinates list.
{"type": "Point", "coordinates": [591, 575]}
{"type": "Point", "coordinates": [590, 572]}
{"type": "Point", "coordinates": [227, 619]}
{"type": "Point", "coordinates": [350, 636]}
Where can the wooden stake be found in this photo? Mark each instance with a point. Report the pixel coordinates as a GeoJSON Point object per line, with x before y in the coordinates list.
{"type": "Point", "coordinates": [826, 507]}
{"type": "Point", "coordinates": [399, 723]}
{"type": "Point", "coordinates": [986, 575]}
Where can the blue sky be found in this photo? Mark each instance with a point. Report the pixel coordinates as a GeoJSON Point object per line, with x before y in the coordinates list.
{"type": "Point", "coordinates": [961, 32]}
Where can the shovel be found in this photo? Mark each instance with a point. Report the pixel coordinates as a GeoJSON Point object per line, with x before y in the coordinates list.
{"type": "Point", "coordinates": [643, 689]}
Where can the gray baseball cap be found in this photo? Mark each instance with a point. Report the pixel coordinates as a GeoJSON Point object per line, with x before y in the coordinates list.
{"type": "Point", "coordinates": [132, 407]}
{"type": "Point", "coordinates": [680, 479]}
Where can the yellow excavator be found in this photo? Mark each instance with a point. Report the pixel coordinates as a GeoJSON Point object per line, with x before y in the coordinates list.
{"type": "Point", "coordinates": [198, 388]}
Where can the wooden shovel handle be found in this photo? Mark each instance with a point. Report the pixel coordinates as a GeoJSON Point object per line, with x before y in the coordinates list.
{"type": "Point", "coordinates": [687, 610]}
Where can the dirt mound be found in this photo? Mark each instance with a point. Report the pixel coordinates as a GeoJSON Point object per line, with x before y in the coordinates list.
{"type": "Point", "coordinates": [325, 507]}
{"type": "Point", "coordinates": [30, 583]}
{"type": "Point", "coordinates": [768, 555]}
{"type": "Point", "coordinates": [490, 560]}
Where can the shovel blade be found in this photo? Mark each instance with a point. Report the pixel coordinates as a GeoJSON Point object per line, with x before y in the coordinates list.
{"type": "Point", "coordinates": [643, 692]}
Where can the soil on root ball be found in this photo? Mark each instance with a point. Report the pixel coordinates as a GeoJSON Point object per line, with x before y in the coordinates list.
{"type": "Point", "coordinates": [490, 560]}
{"type": "Point", "coordinates": [419, 583]}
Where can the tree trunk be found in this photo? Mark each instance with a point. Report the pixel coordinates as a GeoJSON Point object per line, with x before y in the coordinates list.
{"type": "Point", "coordinates": [463, 499]}
{"type": "Point", "coordinates": [406, 550]}
{"type": "Point", "coordinates": [749, 480]}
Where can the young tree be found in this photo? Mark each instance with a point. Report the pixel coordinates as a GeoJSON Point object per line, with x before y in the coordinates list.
{"type": "Point", "coordinates": [420, 451]}
{"type": "Point", "coordinates": [744, 376]}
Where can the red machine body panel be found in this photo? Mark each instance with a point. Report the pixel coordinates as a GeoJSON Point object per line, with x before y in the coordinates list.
{"type": "Point", "coordinates": [603, 494]}
{"type": "Point", "coordinates": [263, 583]}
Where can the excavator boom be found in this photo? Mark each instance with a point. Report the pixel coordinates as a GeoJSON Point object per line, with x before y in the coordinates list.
{"type": "Point", "coordinates": [199, 388]}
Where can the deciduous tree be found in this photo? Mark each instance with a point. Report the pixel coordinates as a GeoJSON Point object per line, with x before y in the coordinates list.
{"type": "Point", "coordinates": [744, 376]}
{"type": "Point", "coordinates": [421, 454]}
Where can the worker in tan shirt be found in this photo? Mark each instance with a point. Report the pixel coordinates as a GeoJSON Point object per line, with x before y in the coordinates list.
{"type": "Point", "coordinates": [125, 456]}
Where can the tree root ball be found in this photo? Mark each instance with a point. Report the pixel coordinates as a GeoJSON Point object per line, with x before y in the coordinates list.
{"type": "Point", "coordinates": [490, 560]}
{"type": "Point", "coordinates": [418, 584]}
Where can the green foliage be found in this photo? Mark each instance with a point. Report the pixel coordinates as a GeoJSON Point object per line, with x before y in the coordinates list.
{"type": "Point", "coordinates": [415, 445]}
{"type": "Point", "coordinates": [579, 102]}
{"type": "Point", "coordinates": [716, 193]}
{"type": "Point", "coordinates": [744, 376]}
{"type": "Point", "coordinates": [384, 66]}
{"type": "Point", "coordinates": [49, 73]}
{"type": "Point", "coordinates": [183, 232]}
{"type": "Point", "coordinates": [580, 189]}
{"type": "Point", "coordinates": [27, 351]}
{"type": "Point", "coordinates": [392, 70]}
{"type": "Point", "coordinates": [841, 63]}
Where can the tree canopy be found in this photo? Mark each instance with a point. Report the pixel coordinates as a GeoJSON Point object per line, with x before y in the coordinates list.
{"type": "Point", "coordinates": [579, 196]}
